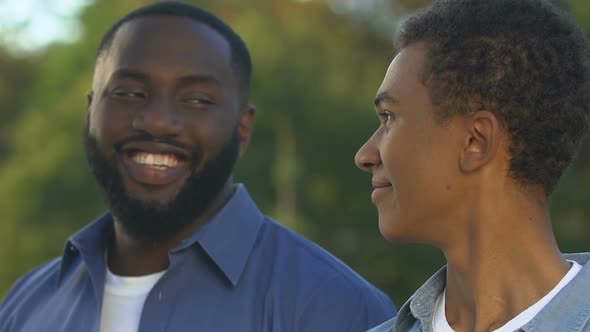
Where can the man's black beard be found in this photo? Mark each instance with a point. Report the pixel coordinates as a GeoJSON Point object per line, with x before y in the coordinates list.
{"type": "Point", "coordinates": [156, 221]}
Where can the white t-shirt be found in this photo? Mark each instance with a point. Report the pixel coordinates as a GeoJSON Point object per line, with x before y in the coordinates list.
{"type": "Point", "coordinates": [123, 300]}
{"type": "Point", "coordinates": [440, 324]}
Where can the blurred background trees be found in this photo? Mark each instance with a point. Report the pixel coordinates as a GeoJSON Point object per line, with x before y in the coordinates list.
{"type": "Point", "coordinates": [317, 67]}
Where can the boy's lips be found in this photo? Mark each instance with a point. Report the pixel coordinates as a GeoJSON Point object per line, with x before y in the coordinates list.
{"type": "Point", "coordinates": [380, 189]}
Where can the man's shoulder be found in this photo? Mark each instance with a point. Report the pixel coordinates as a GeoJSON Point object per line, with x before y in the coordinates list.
{"type": "Point", "coordinates": [328, 291]}
{"type": "Point", "coordinates": [31, 288]}
{"type": "Point", "coordinates": [317, 274]}
{"type": "Point", "coordinates": [40, 277]}
{"type": "Point", "coordinates": [307, 256]}
{"type": "Point", "coordinates": [279, 250]}
{"type": "Point", "coordinates": [385, 327]}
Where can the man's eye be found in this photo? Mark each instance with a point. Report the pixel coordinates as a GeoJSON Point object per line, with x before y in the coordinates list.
{"type": "Point", "coordinates": [198, 101]}
{"type": "Point", "coordinates": [129, 94]}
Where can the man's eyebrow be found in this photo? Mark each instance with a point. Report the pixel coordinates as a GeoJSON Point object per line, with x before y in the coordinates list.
{"type": "Point", "coordinates": [130, 73]}
{"type": "Point", "coordinates": [384, 97]}
{"type": "Point", "coordinates": [199, 79]}
{"type": "Point", "coordinates": [185, 80]}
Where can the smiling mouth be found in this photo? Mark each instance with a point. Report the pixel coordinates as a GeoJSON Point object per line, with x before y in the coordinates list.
{"type": "Point", "coordinates": [155, 168]}
{"type": "Point", "coordinates": [157, 160]}
{"type": "Point", "coordinates": [380, 190]}
{"type": "Point", "coordinates": [380, 184]}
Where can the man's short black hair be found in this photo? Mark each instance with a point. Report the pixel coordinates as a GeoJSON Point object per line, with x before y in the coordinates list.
{"type": "Point", "coordinates": [523, 60]}
{"type": "Point", "coordinates": [241, 60]}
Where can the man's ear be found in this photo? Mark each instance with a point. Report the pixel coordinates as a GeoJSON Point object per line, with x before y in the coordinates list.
{"type": "Point", "coordinates": [482, 144]}
{"type": "Point", "coordinates": [246, 127]}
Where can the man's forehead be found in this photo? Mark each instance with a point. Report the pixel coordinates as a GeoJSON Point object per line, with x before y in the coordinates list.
{"type": "Point", "coordinates": [166, 41]}
{"type": "Point", "coordinates": [161, 31]}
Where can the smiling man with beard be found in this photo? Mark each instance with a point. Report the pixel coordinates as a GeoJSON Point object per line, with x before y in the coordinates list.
{"type": "Point", "coordinates": [153, 220]}
{"type": "Point", "coordinates": [183, 248]}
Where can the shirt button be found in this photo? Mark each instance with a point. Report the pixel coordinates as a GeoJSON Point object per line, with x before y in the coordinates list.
{"type": "Point", "coordinates": [73, 249]}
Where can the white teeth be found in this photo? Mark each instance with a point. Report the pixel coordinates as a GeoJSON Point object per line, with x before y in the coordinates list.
{"type": "Point", "coordinates": [155, 160]}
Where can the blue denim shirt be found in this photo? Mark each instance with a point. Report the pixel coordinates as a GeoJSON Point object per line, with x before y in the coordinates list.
{"type": "Point", "coordinates": [240, 272]}
{"type": "Point", "coordinates": [569, 311]}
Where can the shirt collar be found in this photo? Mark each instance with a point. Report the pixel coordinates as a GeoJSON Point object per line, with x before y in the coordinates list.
{"type": "Point", "coordinates": [424, 300]}
{"type": "Point", "coordinates": [229, 237]}
{"type": "Point", "coordinates": [570, 309]}
{"type": "Point", "coordinates": [90, 244]}
{"type": "Point", "coordinates": [93, 238]}
{"type": "Point", "coordinates": [421, 305]}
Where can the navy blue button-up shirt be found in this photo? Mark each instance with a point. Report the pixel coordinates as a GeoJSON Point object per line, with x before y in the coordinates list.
{"type": "Point", "coordinates": [241, 271]}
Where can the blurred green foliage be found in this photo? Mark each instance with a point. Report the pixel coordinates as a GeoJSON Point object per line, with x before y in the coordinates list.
{"type": "Point", "coordinates": [316, 73]}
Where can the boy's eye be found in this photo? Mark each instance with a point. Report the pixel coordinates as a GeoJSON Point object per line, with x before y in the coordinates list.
{"type": "Point", "coordinates": [385, 117]}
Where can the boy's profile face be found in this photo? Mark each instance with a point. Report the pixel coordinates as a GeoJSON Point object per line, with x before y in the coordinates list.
{"type": "Point", "coordinates": [414, 161]}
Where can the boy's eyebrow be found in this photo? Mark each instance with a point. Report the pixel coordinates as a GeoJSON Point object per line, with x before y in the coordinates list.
{"type": "Point", "coordinates": [384, 97]}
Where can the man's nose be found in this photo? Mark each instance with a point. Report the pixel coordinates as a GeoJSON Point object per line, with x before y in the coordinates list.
{"type": "Point", "coordinates": [367, 157]}
{"type": "Point", "coordinates": [159, 118]}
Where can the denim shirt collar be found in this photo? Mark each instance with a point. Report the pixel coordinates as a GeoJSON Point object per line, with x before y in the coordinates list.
{"type": "Point", "coordinates": [421, 305]}
{"type": "Point", "coordinates": [568, 311]}
{"type": "Point", "coordinates": [228, 238]}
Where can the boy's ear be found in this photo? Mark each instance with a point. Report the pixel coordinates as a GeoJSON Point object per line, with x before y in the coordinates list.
{"type": "Point", "coordinates": [483, 141]}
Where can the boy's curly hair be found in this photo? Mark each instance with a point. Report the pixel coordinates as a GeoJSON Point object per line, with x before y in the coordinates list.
{"type": "Point", "coordinates": [523, 60]}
